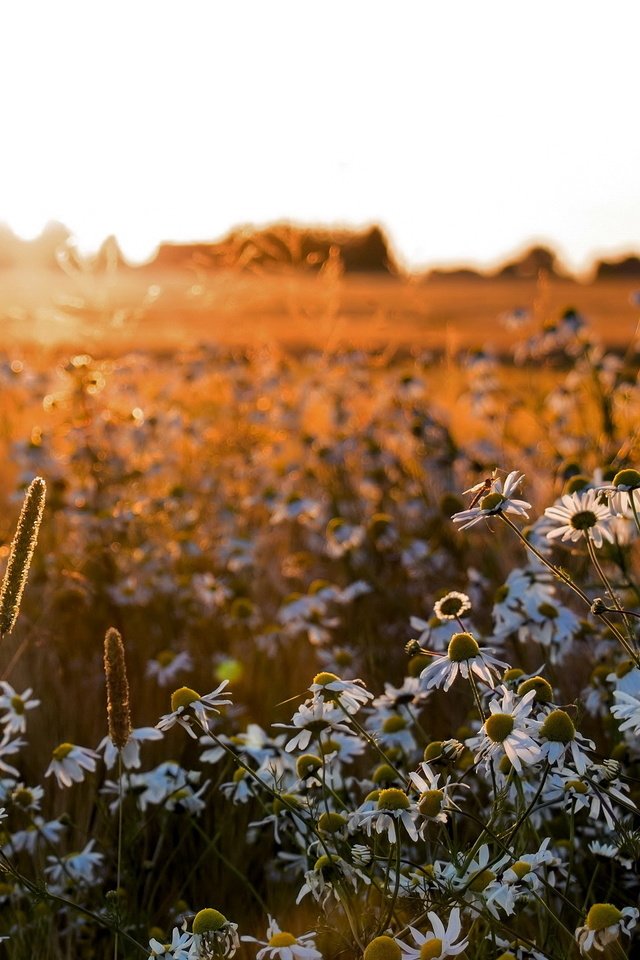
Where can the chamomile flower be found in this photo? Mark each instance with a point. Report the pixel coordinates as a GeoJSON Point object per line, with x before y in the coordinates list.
{"type": "Point", "coordinates": [439, 941]}
{"type": "Point", "coordinates": [15, 705]}
{"type": "Point", "coordinates": [581, 515]}
{"type": "Point", "coordinates": [282, 945]}
{"type": "Point", "coordinates": [69, 763]}
{"type": "Point", "coordinates": [80, 868]}
{"type": "Point", "coordinates": [475, 882]}
{"type": "Point", "coordinates": [213, 935]}
{"type": "Point", "coordinates": [392, 810]}
{"type": "Point", "coordinates": [463, 657]}
{"type": "Point", "coordinates": [505, 731]}
{"type": "Point", "coordinates": [311, 720]}
{"type": "Point", "coordinates": [40, 833]}
{"type": "Point", "coordinates": [130, 753]}
{"type": "Point", "coordinates": [560, 742]}
{"type": "Point", "coordinates": [603, 924]}
{"type": "Point", "coordinates": [188, 706]}
{"type": "Point", "coordinates": [435, 801]}
{"type": "Point", "coordinates": [350, 694]}
{"type": "Point", "coordinates": [178, 949]}
{"type": "Point", "coordinates": [328, 876]}
{"type": "Point", "coordinates": [453, 606]}
{"type": "Point", "coordinates": [168, 665]}
{"type": "Point", "coordinates": [627, 709]}
{"type": "Point", "coordinates": [498, 500]}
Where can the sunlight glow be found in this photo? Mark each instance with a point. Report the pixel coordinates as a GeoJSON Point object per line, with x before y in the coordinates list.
{"type": "Point", "coordinates": [465, 129]}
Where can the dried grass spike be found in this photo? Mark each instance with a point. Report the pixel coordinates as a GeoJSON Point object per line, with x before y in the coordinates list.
{"type": "Point", "coordinates": [22, 548]}
{"type": "Point", "coordinates": [115, 670]}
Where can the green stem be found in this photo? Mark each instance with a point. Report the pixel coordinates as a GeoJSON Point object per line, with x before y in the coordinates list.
{"type": "Point", "coordinates": [634, 509]}
{"type": "Point", "coordinates": [566, 579]}
{"type": "Point", "coordinates": [119, 855]}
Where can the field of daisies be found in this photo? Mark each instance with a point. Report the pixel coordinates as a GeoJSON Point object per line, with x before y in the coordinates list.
{"type": "Point", "coordinates": [321, 655]}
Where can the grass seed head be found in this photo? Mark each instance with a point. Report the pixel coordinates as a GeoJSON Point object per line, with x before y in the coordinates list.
{"type": "Point", "coordinates": [115, 670]}
{"type": "Point", "coordinates": [21, 553]}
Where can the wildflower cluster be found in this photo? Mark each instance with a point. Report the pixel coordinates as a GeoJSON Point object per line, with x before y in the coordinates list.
{"type": "Point", "coordinates": [475, 796]}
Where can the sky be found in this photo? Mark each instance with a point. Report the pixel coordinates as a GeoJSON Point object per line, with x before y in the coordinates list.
{"type": "Point", "coordinates": [466, 129]}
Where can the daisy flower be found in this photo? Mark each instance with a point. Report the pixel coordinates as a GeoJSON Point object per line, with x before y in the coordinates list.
{"type": "Point", "coordinates": [309, 721]}
{"type": "Point", "coordinates": [434, 802]}
{"type": "Point", "coordinates": [70, 762]}
{"type": "Point", "coordinates": [350, 694]}
{"type": "Point", "coordinates": [498, 500]}
{"type": "Point", "coordinates": [393, 808]}
{"type": "Point", "coordinates": [560, 741]}
{"type": "Point", "coordinates": [603, 924]}
{"type": "Point", "coordinates": [453, 606]}
{"type": "Point", "coordinates": [505, 731]}
{"type": "Point", "coordinates": [178, 949]}
{"type": "Point", "coordinates": [463, 657]}
{"type": "Point", "coordinates": [188, 705]}
{"type": "Point", "coordinates": [80, 868]}
{"type": "Point", "coordinates": [439, 941]}
{"type": "Point", "coordinates": [7, 748]}
{"type": "Point", "coordinates": [39, 833]}
{"type": "Point", "coordinates": [282, 945]}
{"type": "Point", "coordinates": [433, 634]}
{"type": "Point", "coordinates": [328, 876]}
{"type": "Point", "coordinates": [592, 791]}
{"type": "Point", "coordinates": [130, 753]}
{"type": "Point", "coordinates": [166, 666]}
{"type": "Point", "coordinates": [213, 935]}
{"type": "Point", "coordinates": [478, 885]}
{"type": "Point", "coordinates": [627, 709]}
{"type": "Point", "coordinates": [15, 705]}
{"type": "Point", "coordinates": [581, 514]}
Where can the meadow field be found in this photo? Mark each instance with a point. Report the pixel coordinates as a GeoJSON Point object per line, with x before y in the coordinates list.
{"type": "Point", "coordinates": [353, 726]}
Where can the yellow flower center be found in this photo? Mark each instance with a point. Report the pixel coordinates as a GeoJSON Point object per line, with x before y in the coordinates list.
{"type": "Point", "coordinates": [577, 786]}
{"type": "Point", "coordinates": [432, 948]}
{"type": "Point", "coordinates": [331, 822]}
{"type": "Point", "coordinates": [583, 520]}
{"type": "Point", "coordinates": [62, 751]}
{"type": "Point", "coordinates": [558, 727]}
{"type": "Point", "coordinates": [394, 724]}
{"type": "Point", "coordinates": [384, 774]}
{"type": "Point", "coordinates": [18, 704]}
{"type": "Point", "coordinates": [521, 868]}
{"type": "Point", "coordinates": [208, 920]}
{"type": "Point", "coordinates": [325, 678]}
{"type": "Point", "coordinates": [326, 865]}
{"type": "Point", "coordinates": [165, 657]}
{"type": "Point", "coordinates": [627, 478]}
{"type": "Point", "coordinates": [482, 880]}
{"type": "Point", "coordinates": [282, 939]}
{"type": "Point", "coordinates": [492, 501]}
{"type": "Point", "coordinates": [382, 948]}
{"type": "Point", "coordinates": [542, 687]}
{"type": "Point", "coordinates": [183, 697]}
{"type": "Point", "coordinates": [512, 673]}
{"type": "Point", "coordinates": [430, 803]}
{"type": "Point", "coordinates": [433, 750]}
{"type": "Point", "coordinates": [393, 799]}
{"type": "Point", "coordinates": [307, 764]}
{"type": "Point", "coordinates": [499, 726]}
{"type": "Point", "coordinates": [602, 915]}
{"type": "Point", "coordinates": [450, 606]}
{"type": "Point", "coordinates": [462, 647]}
{"type": "Point", "coordinates": [22, 796]}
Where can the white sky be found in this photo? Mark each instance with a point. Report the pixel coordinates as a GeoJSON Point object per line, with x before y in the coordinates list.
{"type": "Point", "coordinates": [466, 128]}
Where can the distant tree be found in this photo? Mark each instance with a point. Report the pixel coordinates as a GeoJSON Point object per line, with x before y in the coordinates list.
{"type": "Point", "coordinates": [612, 269]}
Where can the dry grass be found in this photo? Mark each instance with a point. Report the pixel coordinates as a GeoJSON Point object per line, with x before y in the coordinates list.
{"type": "Point", "coordinates": [147, 309]}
